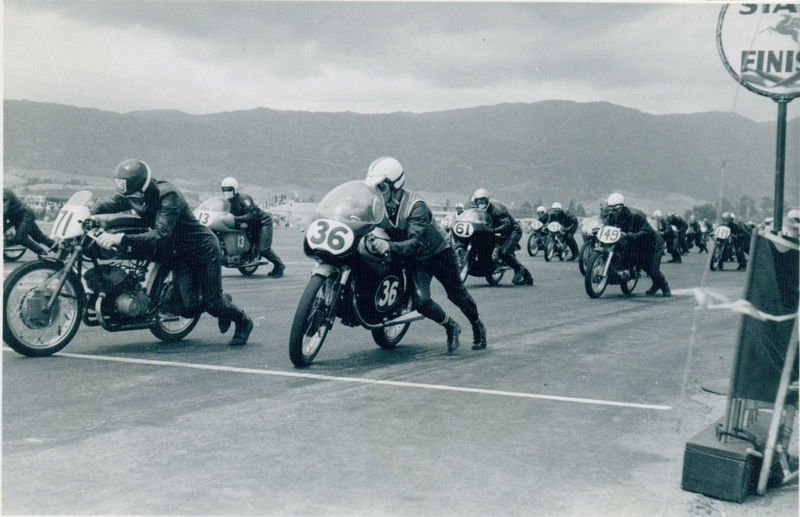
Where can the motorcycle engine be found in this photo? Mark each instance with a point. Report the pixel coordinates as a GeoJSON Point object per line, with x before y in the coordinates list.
{"type": "Point", "coordinates": [132, 303]}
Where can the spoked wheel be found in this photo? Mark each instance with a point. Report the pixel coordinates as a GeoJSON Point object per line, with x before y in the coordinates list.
{"type": "Point", "coordinates": [248, 270]}
{"type": "Point", "coordinates": [169, 327]}
{"type": "Point", "coordinates": [462, 260]}
{"type": "Point", "coordinates": [716, 260]}
{"type": "Point", "coordinates": [495, 277]}
{"type": "Point", "coordinates": [595, 281]}
{"type": "Point", "coordinates": [13, 254]}
{"type": "Point", "coordinates": [312, 320]}
{"type": "Point", "coordinates": [583, 257]}
{"type": "Point", "coordinates": [549, 250]}
{"type": "Point", "coordinates": [29, 326]}
{"type": "Point", "coordinates": [561, 253]}
{"type": "Point", "coordinates": [533, 245]}
{"type": "Point", "coordinates": [630, 285]}
{"type": "Point", "coordinates": [389, 337]}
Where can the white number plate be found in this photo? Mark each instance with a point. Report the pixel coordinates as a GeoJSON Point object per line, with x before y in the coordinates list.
{"type": "Point", "coordinates": [68, 222]}
{"type": "Point", "coordinates": [609, 234]}
{"type": "Point", "coordinates": [329, 235]}
{"type": "Point", "coordinates": [463, 229]}
{"type": "Point", "coordinates": [536, 224]}
{"type": "Point", "coordinates": [204, 217]}
{"type": "Point", "coordinates": [555, 226]}
{"type": "Point", "coordinates": [722, 232]}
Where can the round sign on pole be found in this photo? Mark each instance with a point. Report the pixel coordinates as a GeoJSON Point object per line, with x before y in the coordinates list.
{"type": "Point", "coordinates": [760, 46]}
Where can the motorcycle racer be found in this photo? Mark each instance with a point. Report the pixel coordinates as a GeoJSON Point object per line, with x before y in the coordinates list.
{"type": "Point", "coordinates": [416, 239]}
{"type": "Point", "coordinates": [259, 222]}
{"type": "Point", "coordinates": [508, 231]}
{"type": "Point", "coordinates": [174, 236]}
{"type": "Point", "coordinates": [643, 242]}
{"type": "Point", "coordinates": [570, 225]}
{"type": "Point", "coordinates": [21, 218]}
{"type": "Point", "coordinates": [739, 236]}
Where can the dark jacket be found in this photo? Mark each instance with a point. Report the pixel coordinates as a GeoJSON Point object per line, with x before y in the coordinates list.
{"type": "Point", "coordinates": [568, 221]}
{"type": "Point", "coordinates": [504, 223]}
{"type": "Point", "coordinates": [173, 228]}
{"type": "Point", "coordinates": [14, 210]}
{"type": "Point", "coordinates": [413, 232]}
{"type": "Point", "coordinates": [678, 222]}
{"type": "Point", "coordinates": [641, 237]}
{"type": "Point", "coordinates": [245, 210]}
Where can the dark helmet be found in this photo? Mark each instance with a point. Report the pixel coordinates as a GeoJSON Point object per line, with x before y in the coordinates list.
{"type": "Point", "coordinates": [132, 177]}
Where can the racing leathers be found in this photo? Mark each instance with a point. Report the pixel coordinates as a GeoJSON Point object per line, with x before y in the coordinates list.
{"type": "Point", "coordinates": [26, 232]}
{"type": "Point", "coordinates": [569, 225]}
{"type": "Point", "coordinates": [740, 236]}
{"type": "Point", "coordinates": [641, 244]}
{"type": "Point", "coordinates": [508, 233]}
{"type": "Point", "coordinates": [259, 228]}
{"type": "Point", "coordinates": [679, 238]}
{"type": "Point", "coordinates": [177, 239]}
{"type": "Point", "coordinates": [416, 239]}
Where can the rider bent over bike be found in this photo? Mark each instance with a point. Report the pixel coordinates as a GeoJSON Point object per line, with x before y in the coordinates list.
{"type": "Point", "coordinates": [415, 238]}
{"type": "Point", "coordinates": [191, 249]}
{"type": "Point", "coordinates": [21, 218]}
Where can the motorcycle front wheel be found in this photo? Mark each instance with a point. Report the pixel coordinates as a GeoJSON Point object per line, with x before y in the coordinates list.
{"type": "Point", "coordinates": [583, 257]}
{"type": "Point", "coordinates": [389, 337]}
{"type": "Point", "coordinates": [462, 260]}
{"type": "Point", "coordinates": [13, 254]}
{"type": "Point", "coordinates": [29, 327]}
{"type": "Point", "coordinates": [533, 245]}
{"type": "Point", "coordinates": [595, 281]}
{"type": "Point", "coordinates": [169, 327]}
{"type": "Point", "coordinates": [549, 250]}
{"type": "Point", "coordinates": [311, 321]}
{"type": "Point", "coordinates": [716, 259]}
{"type": "Point", "coordinates": [495, 277]}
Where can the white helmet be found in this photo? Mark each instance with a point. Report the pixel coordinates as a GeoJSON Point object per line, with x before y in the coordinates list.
{"type": "Point", "coordinates": [386, 169]}
{"type": "Point", "coordinates": [540, 209]}
{"type": "Point", "coordinates": [480, 196]}
{"type": "Point", "coordinates": [657, 214]}
{"type": "Point", "coordinates": [230, 187]}
{"type": "Point", "coordinates": [616, 199]}
{"type": "Point", "coordinates": [556, 205]}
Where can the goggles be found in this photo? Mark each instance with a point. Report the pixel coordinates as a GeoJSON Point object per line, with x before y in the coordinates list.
{"type": "Point", "coordinates": [227, 189]}
{"type": "Point", "coordinates": [383, 187]}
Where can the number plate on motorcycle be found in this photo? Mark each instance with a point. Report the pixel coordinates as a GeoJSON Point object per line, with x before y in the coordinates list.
{"type": "Point", "coordinates": [329, 235]}
{"type": "Point", "coordinates": [463, 229]}
{"type": "Point", "coordinates": [386, 293]}
{"type": "Point", "coordinates": [722, 232]}
{"type": "Point", "coordinates": [554, 226]}
{"type": "Point", "coordinates": [609, 234]}
{"type": "Point", "coordinates": [536, 225]}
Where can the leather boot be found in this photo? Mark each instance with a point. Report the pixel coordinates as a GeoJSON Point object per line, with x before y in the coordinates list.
{"type": "Point", "coordinates": [453, 331]}
{"type": "Point", "coordinates": [665, 291]}
{"type": "Point", "coordinates": [243, 329]}
{"type": "Point", "coordinates": [478, 335]}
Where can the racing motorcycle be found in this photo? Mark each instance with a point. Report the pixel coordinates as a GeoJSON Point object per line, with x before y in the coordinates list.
{"type": "Point", "coordinates": [537, 238]}
{"type": "Point", "coordinates": [351, 280]}
{"type": "Point", "coordinates": [723, 248]}
{"type": "Point", "coordinates": [45, 301]}
{"type": "Point", "coordinates": [237, 249]}
{"type": "Point", "coordinates": [474, 238]}
{"type": "Point", "coordinates": [589, 228]}
{"type": "Point", "coordinates": [556, 245]}
{"type": "Point", "coordinates": [12, 252]}
{"type": "Point", "coordinates": [608, 265]}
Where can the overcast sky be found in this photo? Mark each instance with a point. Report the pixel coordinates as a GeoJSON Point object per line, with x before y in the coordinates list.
{"type": "Point", "coordinates": [207, 57]}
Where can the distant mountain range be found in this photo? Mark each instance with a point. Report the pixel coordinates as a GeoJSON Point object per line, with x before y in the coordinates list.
{"type": "Point", "coordinates": [550, 150]}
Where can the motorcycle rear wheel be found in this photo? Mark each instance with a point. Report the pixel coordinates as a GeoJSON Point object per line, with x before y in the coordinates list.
{"type": "Point", "coordinates": [533, 245]}
{"type": "Point", "coordinates": [630, 285]}
{"type": "Point", "coordinates": [13, 254]}
{"type": "Point", "coordinates": [495, 277]}
{"type": "Point", "coordinates": [311, 321]}
{"type": "Point", "coordinates": [248, 270]}
{"type": "Point", "coordinates": [45, 333]}
{"type": "Point", "coordinates": [389, 337]}
{"type": "Point", "coordinates": [169, 327]}
{"type": "Point", "coordinates": [594, 280]}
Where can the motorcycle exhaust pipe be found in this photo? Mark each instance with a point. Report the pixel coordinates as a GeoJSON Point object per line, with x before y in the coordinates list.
{"type": "Point", "coordinates": [405, 318]}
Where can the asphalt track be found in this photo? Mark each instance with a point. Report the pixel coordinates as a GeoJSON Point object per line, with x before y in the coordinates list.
{"type": "Point", "coordinates": [579, 407]}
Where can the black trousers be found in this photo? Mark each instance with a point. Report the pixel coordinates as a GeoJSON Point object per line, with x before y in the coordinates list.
{"type": "Point", "coordinates": [508, 249]}
{"type": "Point", "coordinates": [28, 233]}
{"type": "Point", "coordinates": [651, 264]}
{"type": "Point", "coordinates": [199, 281]}
{"type": "Point", "coordinates": [443, 267]}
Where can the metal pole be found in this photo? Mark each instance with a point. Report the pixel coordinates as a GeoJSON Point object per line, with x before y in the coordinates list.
{"type": "Point", "coordinates": [780, 165]}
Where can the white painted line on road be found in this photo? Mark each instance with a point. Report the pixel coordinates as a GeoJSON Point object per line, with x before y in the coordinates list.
{"type": "Point", "coordinates": [360, 380]}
